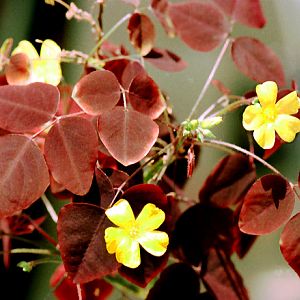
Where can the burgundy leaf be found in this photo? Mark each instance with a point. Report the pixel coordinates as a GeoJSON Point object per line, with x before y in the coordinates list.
{"type": "Point", "coordinates": [145, 97]}
{"type": "Point", "coordinates": [229, 181]}
{"type": "Point", "coordinates": [117, 67]}
{"type": "Point", "coordinates": [130, 72]}
{"type": "Point", "coordinates": [198, 229]}
{"type": "Point", "coordinates": [160, 10]}
{"type": "Point", "coordinates": [80, 229]}
{"type": "Point", "coordinates": [141, 33]}
{"type": "Point", "coordinates": [97, 92]}
{"type": "Point", "coordinates": [178, 281]}
{"type": "Point", "coordinates": [23, 173]}
{"type": "Point", "coordinates": [17, 71]}
{"type": "Point", "coordinates": [222, 278]}
{"type": "Point", "coordinates": [247, 12]}
{"type": "Point", "coordinates": [128, 135]}
{"type": "Point", "coordinates": [165, 60]}
{"type": "Point", "coordinates": [269, 152]}
{"type": "Point", "coordinates": [27, 107]}
{"type": "Point", "coordinates": [290, 243]}
{"type": "Point", "coordinates": [202, 26]}
{"type": "Point", "coordinates": [267, 205]}
{"type": "Point", "coordinates": [71, 153]}
{"type": "Point", "coordinates": [257, 61]}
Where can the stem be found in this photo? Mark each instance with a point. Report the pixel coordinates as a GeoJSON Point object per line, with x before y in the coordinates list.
{"type": "Point", "coordinates": [67, 6]}
{"type": "Point", "coordinates": [109, 33]}
{"type": "Point", "coordinates": [124, 98]}
{"type": "Point", "coordinates": [44, 128]}
{"type": "Point", "coordinates": [242, 150]}
{"type": "Point", "coordinates": [49, 208]}
{"type": "Point", "coordinates": [210, 77]}
{"type": "Point", "coordinates": [31, 251]}
{"type": "Point", "coordinates": [79, 293]}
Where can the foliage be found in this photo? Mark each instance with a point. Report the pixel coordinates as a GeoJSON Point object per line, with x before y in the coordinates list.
{"type": "Point", "coordinates": [114, 150]}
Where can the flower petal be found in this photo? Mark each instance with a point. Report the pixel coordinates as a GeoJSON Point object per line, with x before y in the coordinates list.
{"type": "Point", "coordinates": [265, 136]}
{"type": "Point", "coordinates": [287, 127]}
{"type": "Point", "coordinates": [50, 50]}
{"type": "Point", "coordinates": [121, 214]}
{"type": "Point", "coordinates": [150, 218]}
{"type": "Point", "coordinates": [27, 48]}
{"type": "Point", "coordinates": [288, 104]}
{"type": "Point", "coordinates": [128, 253]}
{"type": "Point", "coordinates": [267, 93]}
{"type": "Point", "coordinates": [154, 242]}
{"type": "Point", "coordinates": [252, 117]}
{"type": "Point", "coordinates": [113, 237]}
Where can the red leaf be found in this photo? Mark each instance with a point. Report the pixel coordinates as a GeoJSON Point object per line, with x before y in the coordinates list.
{"type": "Point", "coordinates": [247, 12]}
{"type": "Point", "coordinates": [222, 278]}
{"type": "Point", "coordinates": [24, 108]}
{"type": "Point", "coordinates": [71, 153]}
{"type": "Point", "coordinates": [141, 33]}
{"type": "Point", "coordinates": [132, 69]}
{"type": "Point", "coordinates": [165, 60]}
{"type": "Point", "coordinates": [80, 229]}
{"type": "Point", "coordinates": [257, 61]}
{"type": "Point", "coordinates": [267, 205]}
{"type": "Point", "coordinates": [202, 26]}
{"type": "Point", "coordinates": [290, 243]}
{"type": "Point", "coordinates": [17, 71]}
{"type": "Point", "coordinates": [23, 173]}
{"type": "Point", "coordinates": [128, 135]}
{"type": "Point", "coordinates": [97, 92]}
{"type": "Point", "coordinates": [160, 10]}
{"type": "Point", "coordinates": [229, 181]}
{"type": "Point", "coordinates": [145, 97]}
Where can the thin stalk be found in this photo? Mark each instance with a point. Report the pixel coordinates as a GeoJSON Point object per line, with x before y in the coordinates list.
{"type": "Point", "coordinates": [49, 208]}
{"type": "Point", "coordinates": [66, 5]}
{"type": "Point", "coordinates": [210, 77]}
{"type": "Point", "coordinates": [242, 150]}
{"type": "Point", "coordinates": [79, 292]}
{"type": "Point", "coordinates": [109, 33]}
{"type": "Point", "coordinates": [30, 250]}
{"type": "Point", "coordinates": [44, 128]}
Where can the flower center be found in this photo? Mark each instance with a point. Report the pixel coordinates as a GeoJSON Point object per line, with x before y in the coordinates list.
{"type": "Point", "coordinates": [270, 113]}
{"type": "Point", "coordinates": [134, 232]}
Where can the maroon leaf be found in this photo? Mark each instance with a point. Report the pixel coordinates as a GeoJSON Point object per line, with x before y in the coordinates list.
{"type": "Point", "coordinates": [178, 281]}
{"type": "Point", "coordinates": [267, 205]}
{"type": "Point", "coordinates": [17, 71]}
{"type": "Point", "coordinates": [229, 181]}
{"type": "Point", "coordinates": [145, 97]}
{"type": "Point", "coordinates": [202, 26]}
{"type": "Point", "coordinates": [80, 229]}
{"type": "Point", "coordinates": [165, 60]}
{"type": "Point", "coordinates": [130, 72]}
{"type": "Point", "coordinates": [290, 243]}
{"type": "Point", "coordinates": [222, 278]}
{"type": "Point", "coordinates": [24, 108]}
{"type": "Point", "coordinates": [247, 12]}
{"type": "Point", "coordinates": [97, 92]}
{"type": "Point", "coordinates": [23, 173]}
{"type": "Point", "coordinates": [128, 135]}
{"type": "Point", "coordinates": [257, 61]}
{"type": "Point", "coordinates": [141, 33]}
{"type": "Point", "coordinates": [65, 289]}
{"type": "Point", "coordinates": [71, 153]}
{"type": "Point", "coordinates": [160, 10]}
{"type": "Point", "coordinates": [198, 229]}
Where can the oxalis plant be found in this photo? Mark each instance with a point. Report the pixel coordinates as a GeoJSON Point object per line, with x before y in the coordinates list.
{"type": "Point", "coordinates": [111, 148]}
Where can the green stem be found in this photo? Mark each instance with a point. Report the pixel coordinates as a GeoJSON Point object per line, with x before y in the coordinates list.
{"type": "Point", "coordinates": [30, 250]}
{"type": "Point", "coordinates": [109, 33]}
{"type": "Point", "coordinates": [210, 77]}
{"type": "Point", "coordinates": [242, 150]}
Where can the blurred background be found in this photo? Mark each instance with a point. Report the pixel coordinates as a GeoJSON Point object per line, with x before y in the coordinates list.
{"type": "Point", "coordinates": [266, 274]}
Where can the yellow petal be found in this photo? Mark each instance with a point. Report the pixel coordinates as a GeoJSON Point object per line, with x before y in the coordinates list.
{"type": "Point", "coordinates": [287, 127]}
{"type": "Point", "coordinates": [121, 214]}
{"type": "Point", "coordinates": [150, 218]}
{"type": "Point", "coordinates": [154, 242]}
{"type": "Point", "coordinates": [50, 50]}
{"type": "Point", "coordinates": [265, 136]}
{"type": "Point", "coordinates": [113, 237]}
{"type": "Point", "coordinates": [288, 104]}
{"type": "Point", "coordinates": [27, 48]}
{"type": "Point", "coordinates": [267, 93]}
{"type": "Point", "coordinates": [252, 117]}
{"type": "Point", "coordinates": [128, 253]}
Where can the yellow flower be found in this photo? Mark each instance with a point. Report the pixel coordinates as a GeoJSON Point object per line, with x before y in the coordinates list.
{"type": "Point", "coordinates": [44, 68]}
{"type": "Point", "coordinates": [269, 116]}
{"type": "Point", "coordinates": [125, 239]}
